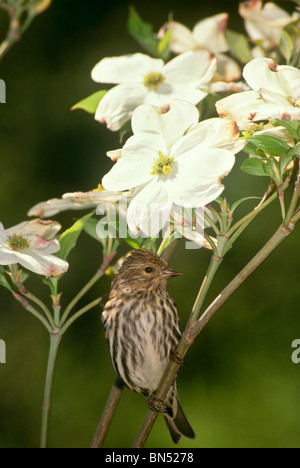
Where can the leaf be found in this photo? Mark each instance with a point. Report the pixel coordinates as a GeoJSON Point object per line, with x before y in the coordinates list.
{"type": "Point", "coordinates": [69, 237]}
{"type": "Point", "coordinates": [272, 168]}
{"type": "Point", "coordinates": [90, 103]}
{"type": "Point", "coordinates": [239, 46]}
{"type": "Point", "coordinates": [270, 144]}
{"type": "Point", "coordinates": [90, 227]}
{"type": "Point", "coordinates": [251, 148]}
{"type": "Point", "coordinates": [293, 126]}
{"type": "Point", "coordinates": [3, 281]}
{"type": "Point", "coordinates": [294, 152]}
{"type": "Point", "coordinates": [286, 45]}
{"type": "Point", "coordinates": [254, 166]}
{"type": "Point", "coordinates": [163, 45]}
{"type": "Point", "coordinates": [242, 200]}
{"type": "Point", "coordinates": [142, 32]}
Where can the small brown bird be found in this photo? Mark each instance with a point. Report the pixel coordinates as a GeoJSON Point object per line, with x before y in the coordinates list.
{"type": "Point", "coordinates": [141, 325]}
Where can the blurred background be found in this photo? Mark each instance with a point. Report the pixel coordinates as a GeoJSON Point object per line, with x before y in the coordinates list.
{"type": "Point", "coordinates": [239, 387]}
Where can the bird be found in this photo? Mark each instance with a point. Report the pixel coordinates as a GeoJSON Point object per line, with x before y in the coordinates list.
{"type": "Point", "coordinates": [141, 325]}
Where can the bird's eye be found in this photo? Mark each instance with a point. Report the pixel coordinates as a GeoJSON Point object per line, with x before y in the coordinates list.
{"type": "Point", "coordinates": [148, 270]}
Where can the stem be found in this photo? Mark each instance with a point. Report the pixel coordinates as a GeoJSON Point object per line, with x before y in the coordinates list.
{"type": "Point", "coordinates": [79, 313]}
{"type": "Point", "coordinates": [212, 270]}
{"type": "Point", "coordinates": [194, 328]}
{"type": "Point", "coordinates": [108, 413]}
{"type": "Point", "coordinates": [88, 286]}
{"type": "Point", "coordinates": [293, 203]}
{"type": "Point", "coordinates": [32, 310]}
{"type": "Point", "coordinates": [55, 340]}
{"type": "Point", "coordinates": [250, 216]}
{"type": "Point", "coordinates": [163, 246]}
{"type": "Point", "coordinates": [268, 248]}
{"type": "Point", "coordinates": [38, 302]}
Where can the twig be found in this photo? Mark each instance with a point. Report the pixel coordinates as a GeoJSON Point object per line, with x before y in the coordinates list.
{"type": "Point", "coordinates": [194, 327]}
{"type": "Point", "coordinates": [108, 413]}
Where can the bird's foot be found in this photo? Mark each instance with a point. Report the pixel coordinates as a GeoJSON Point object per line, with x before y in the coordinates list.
{"type": "Point", "coordinates": [174, 357]}
{"type": "Point", "coordinates": [156, 405]}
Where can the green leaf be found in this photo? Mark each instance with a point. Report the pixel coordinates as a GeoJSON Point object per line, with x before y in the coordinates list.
{"type": "Point", "coordinates": [251, 148]}
{"type": "Point", "coordinates": [90, 103]}
{"type": "Point", "coordinates": [270, 144]}
{"type": "Point", "coordinates": [163, 45]}
{"type": "Point", "coordinates": [242, 200]}
{"type": "Point", "coordinates": [90, 227]}
{"type": "Point", "coordinates": [294, 152]}
{"type": "Point", "coordinates": [254, 166]}
{"type": "Point", "coordinates": [69, 237]}
{"type": "Point", "coordinates": [286, 45]}
{"type": "Point", "coordinates": [272, 168]}
{"type": "Point", "coordinates": [293, 126]}
{"type": "Point", "coordinates": [3, 281]}
{"type": "Point", "coordinates": [142, 32]}
{"type": "Point", "coordinates": [239, 46]}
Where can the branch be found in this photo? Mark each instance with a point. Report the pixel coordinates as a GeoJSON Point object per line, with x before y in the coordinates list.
{"type": "Point", "coordinates": [108, 413]}
{"type": "Point", "coordinates": [195, 327]}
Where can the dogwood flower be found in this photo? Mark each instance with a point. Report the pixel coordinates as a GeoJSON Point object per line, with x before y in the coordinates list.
{"type": "Point", "coordinates": [74, 201]}
{"type": "Point", "coordinates": [265, 22]}
{"type": "Point", "coordinates": [190, 224]}
{"type": "Point", "coordinates": [275, 94]}
{"type": "Point", "coordinates": [185, 169]}
{"type": "Point", "coordinates": [207, 34]}
{"type": "Point", "coordinates": [141, 79]}
{"type": "Point", "coordinates": [31, 244]}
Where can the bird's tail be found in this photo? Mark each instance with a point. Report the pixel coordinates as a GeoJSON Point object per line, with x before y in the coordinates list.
{"type": "Point", "coordinates": [176, 420]}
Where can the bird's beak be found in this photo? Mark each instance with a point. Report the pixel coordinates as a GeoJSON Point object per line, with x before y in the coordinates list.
{"type": "Point", "coordinates": [166, 274]}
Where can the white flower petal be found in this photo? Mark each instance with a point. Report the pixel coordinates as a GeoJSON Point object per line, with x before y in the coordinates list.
{"type": "Point", "coordinates": [117, 105]}
{"type": "Point", "coordinates": [38, 243]}
{"type": "Point", "coordinates": [170, 121]}
{"type": "Point", "coordinates": [192, 68]}
{"type": "Point", "coordinates": [3, 235]}
{"type": "Point", "coordinates": [227, 70]}
{"type": "Point", "coordinates": [264, 73]}
{"type": "Point", "coordinates": [264, 22]}
{"type": "Point", "coordinates": [167, 93]}
{"type": "Point", "coordinates": [204, 173]}
{"type": "Point", "coordinates": [209, 33]}
{"type": "Point", "coordinates": [125, 69]}
{"type": "Point", "coordinates": [136, 164]}
{"type": "Point", "coordinates": [182, 38]}
{"type": "Point", "coordinates": [36, 227]}
{"type": "Point", "coordinates": [150, 209]}
{"type": "Point", "coordinates": [240, 107]}
{"type": "Point", "coordinates": [45, 265]}
{"type": "Point", "coordinates": [213, 133]}
{"type": "Point", "coordinates": [7, 257]}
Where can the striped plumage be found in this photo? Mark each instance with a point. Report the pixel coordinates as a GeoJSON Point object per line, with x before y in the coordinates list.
{"type": "Point", "coordinates": [141, 325]}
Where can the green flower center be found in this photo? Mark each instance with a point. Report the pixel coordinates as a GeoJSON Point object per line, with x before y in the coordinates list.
{"type": "Point", "coordinates": [18, 242]}
{"type": "Point", "coordinates": [163, 165]}
{"type": "Point", "coordinates": [153, 80]}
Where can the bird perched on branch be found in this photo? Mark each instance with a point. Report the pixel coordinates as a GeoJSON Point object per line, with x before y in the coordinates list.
{"type": "Point", "coordinates": [141, 325]}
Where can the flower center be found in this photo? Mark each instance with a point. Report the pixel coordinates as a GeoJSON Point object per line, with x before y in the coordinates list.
{"type": "Point", "coordinates": [98, 189]}
{"type": "Point", "coordinates": [18, 242]}
{"type": "Point", "coordinates": [252, 129]}
{"type": "Point", "coordinates": [163, 165]}
{"type": "Point", "coordinates": [153, 80]}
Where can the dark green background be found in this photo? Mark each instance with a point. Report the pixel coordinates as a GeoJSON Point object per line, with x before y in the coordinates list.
{"type": "Point", "coordinates": [239, 387]}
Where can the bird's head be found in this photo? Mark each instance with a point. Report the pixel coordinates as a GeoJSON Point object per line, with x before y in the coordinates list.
{"type": "Point", "coordinates": [144, 269]}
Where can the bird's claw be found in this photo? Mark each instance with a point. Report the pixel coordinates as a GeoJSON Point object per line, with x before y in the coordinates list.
{"type": "Point", "coordinates": [156, 405]}
{"type": "Point", "coordinates": [174, 357]}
